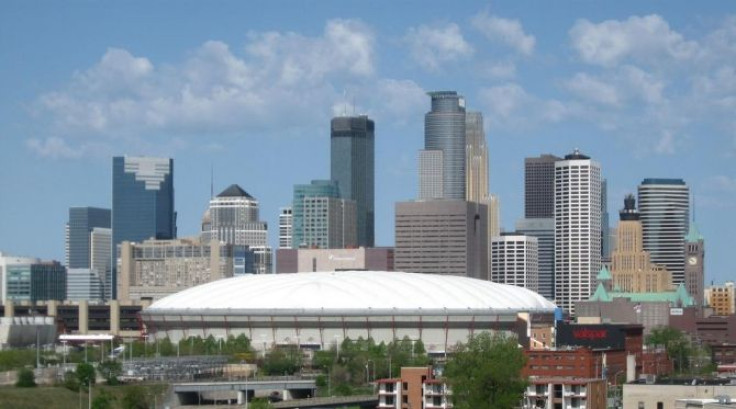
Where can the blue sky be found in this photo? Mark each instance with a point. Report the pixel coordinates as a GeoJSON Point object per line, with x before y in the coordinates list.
{"type": "Point", "coordinates": [648, 89]}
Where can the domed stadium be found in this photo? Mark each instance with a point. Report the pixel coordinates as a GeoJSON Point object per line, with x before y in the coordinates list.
{"type": "Point", "coordinates": [318, 310]}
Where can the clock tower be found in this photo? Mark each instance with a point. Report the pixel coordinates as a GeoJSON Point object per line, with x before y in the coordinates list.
{"type": "Point", "coordinates": [694, 264]}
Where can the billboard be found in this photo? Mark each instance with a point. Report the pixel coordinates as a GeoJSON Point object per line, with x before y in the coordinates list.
{"type": "Point", "coordinates": [596, 336]}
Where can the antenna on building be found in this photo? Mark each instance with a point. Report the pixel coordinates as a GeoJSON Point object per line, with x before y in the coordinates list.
{"type": "Point", "coordinates": [212, 180]}
{"type": "Point", "coordinates": [693, 208]}
{"type": "Point", "coordinates": [344, 102]}
{"type": "Point", "coordinates": [353, 105]}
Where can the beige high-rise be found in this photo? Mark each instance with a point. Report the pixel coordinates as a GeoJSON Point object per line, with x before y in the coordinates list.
{"type": "Point", "coordinates": [476, 159]}
{"type": "Point", "coordinates": [631, 266]}
{"type": "Point", "coordinates": [476, 171]}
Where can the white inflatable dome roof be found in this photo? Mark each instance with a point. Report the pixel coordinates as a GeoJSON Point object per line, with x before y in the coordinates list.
{"type": "Point", "coordinates": [353, 291]}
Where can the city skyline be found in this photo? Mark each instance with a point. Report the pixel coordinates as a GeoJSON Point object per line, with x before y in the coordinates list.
{"type": "Point", "coordinates": [648, 109]}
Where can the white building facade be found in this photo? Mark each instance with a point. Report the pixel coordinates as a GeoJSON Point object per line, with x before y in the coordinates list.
{"type": "Point", "coordinates": [577, 228]}
{"type": "Point", "coordinates": [515, 261]}
{"type": "Point", "coordinates": [286, 223]}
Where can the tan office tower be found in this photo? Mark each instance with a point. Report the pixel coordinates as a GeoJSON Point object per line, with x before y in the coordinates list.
{"type": "Point", "coordinates": [631, 267]}
{"type": "Point", "coordinates": [722, 298]}
{"type": "Point", "coordinates": [476, 173]}
{"type": "Point", "coordinates": [442, 237]}
{"type": "Point", "coordinates": [476, 158]}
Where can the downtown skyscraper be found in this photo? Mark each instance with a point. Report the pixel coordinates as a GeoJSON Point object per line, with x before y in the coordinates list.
{"type": "Point", "coordinates": [234, 219]}
{"type": "Point", "coordinates": [664, 205]}
{"type": "Point", "coordinates": [352, 166]}
{"type": "Point", "coordinates": [539, 216]}
{"type": "Point", "coordinates": [142, 203]}
{"type": "Point", "coordinates": [476, 159]}
{"type": "Point", "coordinates": [88, 227]}
{"type": "Point", "coordinates": [445, 231]}
{"type": "Point", "coordinates": [577, 228]}
{"type": "Point", "coordinates": [444, 131]}
{"type": "Point", "coordinates": [88, 253]}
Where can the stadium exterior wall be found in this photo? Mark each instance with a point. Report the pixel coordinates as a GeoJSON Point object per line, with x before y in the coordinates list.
{"type": "Point", "coordinates": [439, 330]}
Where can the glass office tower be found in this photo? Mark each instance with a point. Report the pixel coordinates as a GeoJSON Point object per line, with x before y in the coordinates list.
{"type": "Point", "coordinates": [142, 202]}
{"type": "Point", "coordinates": [444, 130]}
{"type": "Point", "coordinates": [352, 150]}
{"type": "Point", "coordinates": [82, 221]}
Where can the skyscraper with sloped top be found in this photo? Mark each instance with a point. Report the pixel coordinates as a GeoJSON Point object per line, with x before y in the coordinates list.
{"type": "Point", "coordinates": [142, 203]}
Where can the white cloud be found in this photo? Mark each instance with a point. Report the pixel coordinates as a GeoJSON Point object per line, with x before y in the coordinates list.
{"type": "Point", "coordinates": [216, 89]}
{"type": "Point", "coordinates": [53, 147]}
{"type": "Point", "coordinates": [433, 46]}
{"type": "Point", "coordinates": [592, 89]}
{"type": "Point", "coordinates": [506, 31]}
{"type": "Point", "coordinates": [498, 69]}
{"type": "Point", "coordinates": [511, 106]}
{"type": "Point", "coordinates": [666, 144]}
{"type": "Point", "coordinates": [617, 87]}
{"type": "Point", "coordinates": [400, 99]}
{"type": "Point", "coordinates": [721, 183]}
{"type": "Point", "coordinates": [646, 86]}
{"type": "Point", "coordinates": [347, 46]}
{"type": "Point", "coordinates": [647, 38]}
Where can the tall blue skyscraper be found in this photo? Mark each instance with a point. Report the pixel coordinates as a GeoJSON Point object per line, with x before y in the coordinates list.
{"type": "Point", "coordinates": [352, 162]}
{"type": "Point", "coordinates": [82, 222]}
{"type": "Point", "coordinates": [142, 202]}
{"type": "Point", "coordinates": [444, 130]}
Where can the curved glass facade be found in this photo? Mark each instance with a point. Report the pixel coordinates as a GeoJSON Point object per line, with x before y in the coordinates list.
{"type": "Point", "coordinates": [444, 130]}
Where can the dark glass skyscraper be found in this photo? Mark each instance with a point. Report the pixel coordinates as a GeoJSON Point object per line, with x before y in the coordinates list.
{"type": "Point", "coordinates": [82, 220]}
{"type": "Point", "coordinates": [444, 130]}
{"type": "Point", "coordinates": [142, 201]}
{"type": "Point", "coordinates": [539, 187]}
{"type": "Point", "coordinates": [352, 150]}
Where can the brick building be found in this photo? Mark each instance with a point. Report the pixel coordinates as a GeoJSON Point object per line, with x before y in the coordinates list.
{"type": "Point", "coordinates": [562, 392]}
{"type": "Point", "coordinates": [417, 387]}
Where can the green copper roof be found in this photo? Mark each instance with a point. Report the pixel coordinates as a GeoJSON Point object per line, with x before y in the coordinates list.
{"type": "Point", "coordinates": [604, 275]}
{"type": "Point", "coordinates": [678, 297]}
{"type": "Point", "coordinates": [601, 294]}
{"type": "Point", "coordinates": [693, 235]}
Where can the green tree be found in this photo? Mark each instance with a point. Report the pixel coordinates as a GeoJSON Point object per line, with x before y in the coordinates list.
{"type": "Point", "coordinates": [71, 382]}
{"type": "Point", "coordinates": [486, 373]}
{"type": "Point", "coordinates": [282, 361]}
{"type": "Point", "coordinates": [102, 401]}
{"type": "Point", "coordinates": [110, 370]}
{"type": "Point", "coordinates": [166, 348]}
{"type": "Point", "coordinates": [26, 378]}
{"type": "Point", "coordinates": [675, 343]}
{"type": "Point", "coordinates": [16, 359]}
{"type": "Point", "coordinates": [85, 374]}
{"type": "Point", "coordinates": [135, 398]}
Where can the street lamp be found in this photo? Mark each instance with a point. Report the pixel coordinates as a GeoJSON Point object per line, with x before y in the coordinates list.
{"type": "Point", "coordinates": [337, 348]}
{"type": "Point", "coordinates": [64, 354]}
{"type": "Point", "coordinates": [368, 372]}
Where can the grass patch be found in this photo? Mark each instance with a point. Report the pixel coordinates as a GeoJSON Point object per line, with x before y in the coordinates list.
{"type": "Point", "coordinates": [44, 397]}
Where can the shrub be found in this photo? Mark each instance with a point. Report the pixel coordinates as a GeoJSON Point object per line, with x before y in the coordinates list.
{"type": "Point", "coordinates": [26, 378]}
